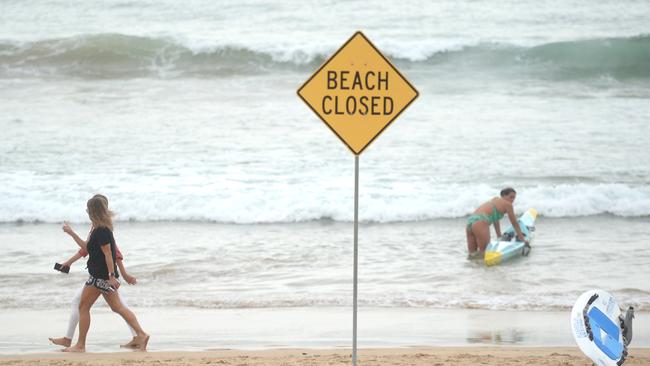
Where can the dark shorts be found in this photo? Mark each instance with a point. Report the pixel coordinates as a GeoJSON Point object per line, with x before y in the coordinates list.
{"type": "Point", "coordinates": [101, 284]}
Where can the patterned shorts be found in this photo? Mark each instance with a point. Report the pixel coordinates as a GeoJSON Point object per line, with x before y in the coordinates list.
{"type": "Point", "coordinates": [101, 284]}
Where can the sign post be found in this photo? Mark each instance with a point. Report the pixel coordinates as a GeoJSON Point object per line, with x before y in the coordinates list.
{"type": "Point", "coordinates": [356, 260]}
{"type": "Point", "coordinates": [357, 92]}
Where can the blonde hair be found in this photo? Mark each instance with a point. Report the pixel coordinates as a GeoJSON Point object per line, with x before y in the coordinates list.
{"type": "Point", "coordinates": [99, 213]}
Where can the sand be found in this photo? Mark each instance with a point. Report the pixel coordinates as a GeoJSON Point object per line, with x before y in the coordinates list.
{"type": "Point", "coordinates": [432, 356]}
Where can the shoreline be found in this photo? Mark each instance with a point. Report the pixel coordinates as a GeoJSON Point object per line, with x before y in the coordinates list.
{"type": "Point", "coordinates": [462, 356]}
{"type": "Point", "coordinates": [199, 330]}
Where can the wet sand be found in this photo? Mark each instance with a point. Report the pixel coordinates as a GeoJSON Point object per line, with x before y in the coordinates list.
{"type": "Point", "coordinates": [461, 356]}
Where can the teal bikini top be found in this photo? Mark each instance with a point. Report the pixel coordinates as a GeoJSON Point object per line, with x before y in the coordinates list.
{"type": "Point", "coordinates": [495, 216]}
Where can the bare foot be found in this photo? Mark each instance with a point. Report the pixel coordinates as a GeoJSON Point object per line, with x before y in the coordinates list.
{"type": "Point", "coordinates": [133, 343]}
{"type": "Point", "coordinates": [142, 342]}
{"type": "Point", "coordinates": [75, 349]}
{"type": "Point", "coordinates": [63, 341]}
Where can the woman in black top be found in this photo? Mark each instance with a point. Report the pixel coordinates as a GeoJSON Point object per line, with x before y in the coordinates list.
{"type": "Point", "coordinates": [103, 275]}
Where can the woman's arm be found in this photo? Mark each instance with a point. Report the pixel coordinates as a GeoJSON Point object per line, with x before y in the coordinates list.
{"type": "Point", "coordinates": [106, 249]}
{"type": "Point", "coordinates": [68, 230]}
{"type": "Point", "coordinates": [127, 277]}
{"type": "Point", "coordinates": [497, 229]}
{"type": "Point", "coordinates": [515, 223]}
{"type": "Point", "coordinates": [72, 259]}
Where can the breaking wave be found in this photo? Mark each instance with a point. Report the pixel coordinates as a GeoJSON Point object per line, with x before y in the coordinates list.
{"type": "Point", "coordinates": [114, 55]}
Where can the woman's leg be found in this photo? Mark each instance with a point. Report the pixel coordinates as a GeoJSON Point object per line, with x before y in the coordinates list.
{"type": "Point", "coordinates": [123, 301]}
{"type": "Point", "coordinates": [113, 300]}
{"type": "Point", "coordinates": [66, 340]}
{"type": "Point", "coordinates": [88, 298]}
{"type": "Point", "coordinates": [481, 231]}
{"type": "Point", "coordinates": [471, 240]}
{"type": "Point", "coordinates": [133, 342]}
{"type": "Point", "coordinates": [74, 313]}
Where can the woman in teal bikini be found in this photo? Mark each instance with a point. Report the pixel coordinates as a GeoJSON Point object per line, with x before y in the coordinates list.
{"type": "Point", "coordinates": [491, 212]}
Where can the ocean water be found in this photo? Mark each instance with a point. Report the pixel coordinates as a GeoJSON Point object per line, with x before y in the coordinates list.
{"type": "Point", "coordinates": [401, 265]}
{"type": "Point", "coordinates": [186, 117]}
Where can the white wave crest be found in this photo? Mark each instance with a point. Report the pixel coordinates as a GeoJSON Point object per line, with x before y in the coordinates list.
{"type": "Point", "coordinates": [278, 203]}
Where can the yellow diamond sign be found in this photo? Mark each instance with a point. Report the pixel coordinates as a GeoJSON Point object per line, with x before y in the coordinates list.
{"type": "Point", "coordinates": [357, 93]}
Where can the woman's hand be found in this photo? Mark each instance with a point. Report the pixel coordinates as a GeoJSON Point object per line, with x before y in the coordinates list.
{"type": "Point", "coordinates": [114, 282]}
{"type": "Point", "coordinates": [129, 279]}
{"type": "Point", "coordinates": [521, 237]}
{"type": "Point", "coordinates": [67, 229]}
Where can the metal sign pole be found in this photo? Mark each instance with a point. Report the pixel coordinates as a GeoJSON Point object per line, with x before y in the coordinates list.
{"type": "Point", "coordinates": [356, 256]}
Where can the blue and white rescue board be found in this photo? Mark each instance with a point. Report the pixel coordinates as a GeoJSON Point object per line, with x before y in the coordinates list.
{"type": "Point", "coordinates": [507, 246]}
{"type": "Point", "coordinates": [599, 329]}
